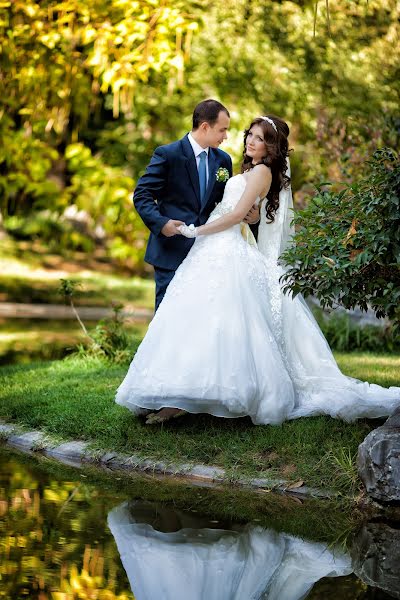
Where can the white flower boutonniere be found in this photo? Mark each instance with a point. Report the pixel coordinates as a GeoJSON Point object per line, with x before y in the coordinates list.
{"type": "Point", "coordinates": [222, 175]}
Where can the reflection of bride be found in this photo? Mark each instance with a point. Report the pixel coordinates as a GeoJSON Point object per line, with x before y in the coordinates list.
{"type": "Point", "coordinates": [190, 563]}
{"type": "Point", "coordinates": [226, 340]}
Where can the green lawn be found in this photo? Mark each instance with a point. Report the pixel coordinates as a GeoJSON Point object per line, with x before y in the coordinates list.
{"type": "Point", "coordinates": [74, 399]}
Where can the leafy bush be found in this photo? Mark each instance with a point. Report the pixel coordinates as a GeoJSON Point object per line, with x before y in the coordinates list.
{"type": "Point", "coordinates": [48, 227]}
{"type": "Point", "coordinates": [105, 193]}
{"type": "Point", "coordinates": [344, 335]}
{"type": "Point", "coordinates": [347, 243]}
{"type": "Point", "coordinates": [109, 339]}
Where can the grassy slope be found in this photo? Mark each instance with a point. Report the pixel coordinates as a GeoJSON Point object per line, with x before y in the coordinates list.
{"type": "Point", "coordinates": [28, 273]}
{"type": "Point", "coordinates": [74, 399]}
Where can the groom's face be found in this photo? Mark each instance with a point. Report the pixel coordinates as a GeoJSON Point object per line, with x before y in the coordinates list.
{"type": "Point", "coordinates": [217, 133]}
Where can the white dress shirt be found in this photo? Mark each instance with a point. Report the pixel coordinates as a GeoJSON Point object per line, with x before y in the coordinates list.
{"type": "Point", "coordinates": [197, 149]}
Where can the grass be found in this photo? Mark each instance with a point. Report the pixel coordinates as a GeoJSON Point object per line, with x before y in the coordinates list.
{"type": "Point", "coordinates": [74, 399]}
{"type": "Point", "coordinates": [383, 369]}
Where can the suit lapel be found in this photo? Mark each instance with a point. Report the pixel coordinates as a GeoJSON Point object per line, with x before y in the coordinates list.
{"type": "Point", "coordinates": [191, 166]}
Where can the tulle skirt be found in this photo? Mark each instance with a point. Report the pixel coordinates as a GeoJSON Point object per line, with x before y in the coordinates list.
{"type": "Point", "coordinates": [226, 341]}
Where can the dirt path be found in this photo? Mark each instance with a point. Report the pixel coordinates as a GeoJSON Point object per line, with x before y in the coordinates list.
{"type": "Point", "coordinates": [13, 310]}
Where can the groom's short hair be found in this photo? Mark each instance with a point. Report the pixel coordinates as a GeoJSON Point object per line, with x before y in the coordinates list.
{"type": "Point", "coordinates": [207, 111]}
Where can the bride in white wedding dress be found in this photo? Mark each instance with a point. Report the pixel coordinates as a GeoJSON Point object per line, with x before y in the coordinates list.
{"type": "Point", "coordinates": [225, 339]}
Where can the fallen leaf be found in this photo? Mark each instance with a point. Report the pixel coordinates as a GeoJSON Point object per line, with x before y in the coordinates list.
{"type": "Point", "coordinates": [296, 484]}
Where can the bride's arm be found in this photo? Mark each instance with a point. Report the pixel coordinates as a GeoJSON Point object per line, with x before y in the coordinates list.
{"type": "Point", "coordinates": [258, 183]}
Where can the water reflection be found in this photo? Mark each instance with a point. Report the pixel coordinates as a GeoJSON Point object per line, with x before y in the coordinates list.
{"type": "Point", "coordinates": [171, 555]}
{"type": "Point", "coordinates": [55, 543]}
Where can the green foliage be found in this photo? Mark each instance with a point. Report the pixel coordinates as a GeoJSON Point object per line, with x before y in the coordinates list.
{"type": "Point", "coordinates": [24, 165]}
{"type": "Point", "coordinates": [89, 90]}
{"type": "Point", "coordinates": [67, 289]}
{"type": "Point", "coordinates": [347, 244]}
{"type": "Point", "coordinates": [344, 335]}
{"type": "Point", "coordinates": [111, 340]}
{"type": "Point", "coordinates": [105, 194]}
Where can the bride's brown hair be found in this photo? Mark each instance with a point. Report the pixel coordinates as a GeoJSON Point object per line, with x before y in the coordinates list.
{"type": "Point", "coordinates": [277, 147]}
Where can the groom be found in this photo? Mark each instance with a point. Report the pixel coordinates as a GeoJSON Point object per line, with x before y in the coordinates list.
{"type": "Point", "coordinates": [180, 186]}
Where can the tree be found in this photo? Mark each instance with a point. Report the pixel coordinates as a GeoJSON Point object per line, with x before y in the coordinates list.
{"type": "Point", "coordinates": [89, 89]}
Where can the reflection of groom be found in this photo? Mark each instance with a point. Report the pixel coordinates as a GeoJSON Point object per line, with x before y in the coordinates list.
{"type": "Point", "coordinates": [180, 186]}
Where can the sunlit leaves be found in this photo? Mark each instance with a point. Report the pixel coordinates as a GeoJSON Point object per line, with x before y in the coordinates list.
{"type": "Point", "coordinates": [114, 43]}
{"type": "Point", "coordinates": [120, 77]}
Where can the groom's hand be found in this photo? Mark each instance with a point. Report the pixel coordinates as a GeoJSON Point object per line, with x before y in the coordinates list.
{"type": "Point", "coordinates": [253, 216]}
{"type": "Point", "coordinates": [171, 228]}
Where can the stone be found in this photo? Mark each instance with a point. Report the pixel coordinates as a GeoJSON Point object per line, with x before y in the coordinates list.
{"type": "Point", "coordinates": [376, 557]}
{"type": "Point", "coordinates": [29, 441]}
{"type": "Point", "coordinates": [74, 451]}
{"type": "Point", "coordinates": [206, 473]}
{"type": "Point", "coordinates": [108, 457]}
{"type": "Point", "coordinates": [378, 461]}
{"type": "Point", "coordinates": [6, 430]}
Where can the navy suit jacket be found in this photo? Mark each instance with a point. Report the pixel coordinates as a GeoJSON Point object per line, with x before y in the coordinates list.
{"type": "Point", "coordinates": [170, 189]}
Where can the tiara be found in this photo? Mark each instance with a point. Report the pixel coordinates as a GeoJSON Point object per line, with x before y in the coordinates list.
{"type": "Point", "coordinates": [270, 121]}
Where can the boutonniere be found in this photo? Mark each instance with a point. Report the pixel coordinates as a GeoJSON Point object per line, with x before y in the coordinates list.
{"type": "Point", "coordinates": [222, 175]}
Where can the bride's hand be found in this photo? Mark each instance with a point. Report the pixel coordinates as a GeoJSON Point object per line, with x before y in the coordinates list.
{"type": "Point", "coordinates": [189, 231]}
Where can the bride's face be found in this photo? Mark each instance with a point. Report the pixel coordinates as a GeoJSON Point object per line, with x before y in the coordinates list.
{"type": "Point", "coordinates": [255, 145]}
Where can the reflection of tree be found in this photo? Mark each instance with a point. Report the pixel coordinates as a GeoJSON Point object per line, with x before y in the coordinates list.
{"type": "Point", "coordinates": [53, 540]}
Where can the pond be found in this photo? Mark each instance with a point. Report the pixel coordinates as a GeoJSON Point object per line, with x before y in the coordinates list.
{"type": "Point", "coordinates": [71, 534]}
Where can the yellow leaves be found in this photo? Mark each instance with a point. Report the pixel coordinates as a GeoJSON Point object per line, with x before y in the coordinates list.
{"type": "Point", "coordinates": [119, 43]}
{"type": "Point", "coordinates": [50, 40]}
{"type": "Point", "coordinates": [55, 496]}
{"type": "Point", "coordinates": [348, 240]}
{"type": "Point", "coordinates": [177, 62]}
{"type": "Point", "coordinates": [30, 9]}
{"type": "Point", "coordinates": [84, 586]}
{"type": "Point", "coordinates": [89, 34]}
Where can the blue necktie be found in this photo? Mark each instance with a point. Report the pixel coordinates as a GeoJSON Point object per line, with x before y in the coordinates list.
{"type": "Point", "coordinates": [203, 175]}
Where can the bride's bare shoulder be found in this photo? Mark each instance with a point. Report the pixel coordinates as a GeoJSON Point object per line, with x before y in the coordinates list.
{"type": "Point", "coordinates": [260, 172]}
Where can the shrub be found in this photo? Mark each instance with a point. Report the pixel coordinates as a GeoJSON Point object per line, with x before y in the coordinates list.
{"type": "Point", "coordinates": [344, 335]}
{"type": "Point", "coordinates": [347, 243]}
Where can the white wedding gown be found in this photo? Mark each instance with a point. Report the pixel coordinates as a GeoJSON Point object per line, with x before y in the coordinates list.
{"type": "Point", "coordinates": [226, 340]}
{"type": "Point", "coordinates": [250, 563]}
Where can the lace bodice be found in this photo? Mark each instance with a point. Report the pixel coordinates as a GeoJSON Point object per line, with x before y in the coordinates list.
{"type": "Point", "coordinates": [234, 189]}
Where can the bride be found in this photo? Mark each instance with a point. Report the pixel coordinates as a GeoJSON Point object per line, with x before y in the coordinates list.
{"type": "Point", "coordinates": [225, 339]}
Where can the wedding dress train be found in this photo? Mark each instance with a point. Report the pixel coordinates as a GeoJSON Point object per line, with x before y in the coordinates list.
{"type": "Point", "coordinates": [226, 340]}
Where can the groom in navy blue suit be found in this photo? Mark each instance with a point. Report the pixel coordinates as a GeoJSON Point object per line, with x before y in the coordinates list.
{"type": "Point", "coordinates": [180, 186]}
